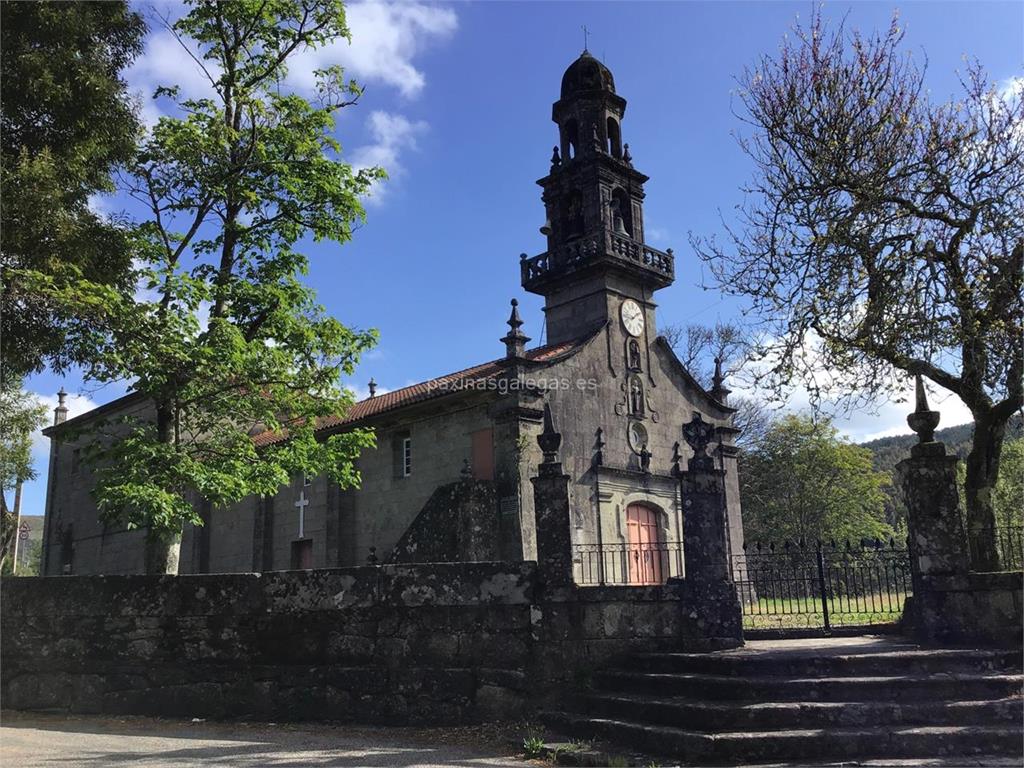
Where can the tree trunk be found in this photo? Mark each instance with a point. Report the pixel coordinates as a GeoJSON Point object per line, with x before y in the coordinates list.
{"type": "Point", "coordinates": [982, 473]}
{"type": "Point", "coordinates": [163, 548]}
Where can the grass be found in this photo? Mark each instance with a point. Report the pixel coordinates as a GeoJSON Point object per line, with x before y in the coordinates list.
{"type": "Point", "coordinates": [789, 613]}
{"type": "Point", "coordinates": [533, 746]}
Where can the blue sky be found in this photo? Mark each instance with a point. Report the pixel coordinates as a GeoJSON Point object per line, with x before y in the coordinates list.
{"type": "Point", "coordinates": [458, 107]}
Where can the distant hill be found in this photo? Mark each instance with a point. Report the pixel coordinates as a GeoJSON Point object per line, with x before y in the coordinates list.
{"type": "Point", "coordinates": [889, 451]}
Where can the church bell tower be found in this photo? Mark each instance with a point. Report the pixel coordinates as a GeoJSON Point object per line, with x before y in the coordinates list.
{"type": "Point", "coordinates": [596, 259]}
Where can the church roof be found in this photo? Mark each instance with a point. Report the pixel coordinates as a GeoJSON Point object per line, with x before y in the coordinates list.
{"type": "Point", "coordinates": [451, 383]}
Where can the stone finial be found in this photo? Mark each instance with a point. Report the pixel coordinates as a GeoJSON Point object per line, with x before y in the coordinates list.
{"type": "Point", "coordinates": [645, 459]}
{"type": "Point", "coordinates": [556, 160]}
{"type": "Point", "coordinates": [718, 389]}
{"type": "Point", "coordinates": [676, 458]}
{"type": "Point", "coordinates": [923, 421]}
{"type": "Point", "coordinates": [515, 340]}
{"type": "Point", "coordinates": [372, 559]}
{"type": "Point", "coordinates": [595, 138]}
{"type": "Point", "coordinates": [549, 440]}
{"type": "Point", "coordinates": [60, 413]}
{"type": "Point", "coordinates": [373, 387]}
{"type": "Point", "coordinates": [627, 158]}
{"type": "Point", "coordinates": [698, 434]}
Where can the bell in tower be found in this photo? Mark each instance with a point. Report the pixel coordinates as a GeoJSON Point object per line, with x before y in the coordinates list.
{"type": "Point", "coordinates": [593, 199]}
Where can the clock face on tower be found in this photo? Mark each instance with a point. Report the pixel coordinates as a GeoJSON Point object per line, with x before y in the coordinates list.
{"type": "Point", "coordinates": [632, 317]}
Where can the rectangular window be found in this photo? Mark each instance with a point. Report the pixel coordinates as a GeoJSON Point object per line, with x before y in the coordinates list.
{"type": "Point", "coordinates": [401, 454]}
{"type": "Point", "coordinates": [483, 454]}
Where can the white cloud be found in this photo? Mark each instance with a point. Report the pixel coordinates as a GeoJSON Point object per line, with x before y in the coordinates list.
{"type": "Point", "coordinates": [392, 134]}
{"type": "Point", "coordinates": [385, 39]}
{"type": "Point", "coordinates": [657, 235]}
{"type": "Point", "coordinates": [1011, 87]}
{"type": "Point", "coordinates": [76, 405]}
{"type": "Point", "coordinates": [884, 419]}
{"type": "Point", "coordinates": [361, 392]}
{"type": "Point", "coordinates": [165, 63]}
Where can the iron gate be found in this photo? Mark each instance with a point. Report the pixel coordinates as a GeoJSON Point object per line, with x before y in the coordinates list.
{"type": "Point", "coordinates": [822, 585]}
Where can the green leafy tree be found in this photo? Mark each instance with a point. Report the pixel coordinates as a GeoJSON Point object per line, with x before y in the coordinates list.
{"type": "Point", "coordinates": [801, 481]}
{"type": "Point", "coordinates": [225, 340]}
{"type": "Point", "coordinates": [883, 232]}
{"type": "Point", "coordinates": [67, 122]}
{"type": "Point", "coordinates": [1008, 504]}
{"type": "Point", "coordinates": [20, 415]}
{"type": "Point", "coordinates": [1009, 493]}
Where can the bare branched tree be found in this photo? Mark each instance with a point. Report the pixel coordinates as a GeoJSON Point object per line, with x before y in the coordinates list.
{"type": "Point", "coordinates": [886, 232]}
{"type": "Point", "coordinates": [698, 346]}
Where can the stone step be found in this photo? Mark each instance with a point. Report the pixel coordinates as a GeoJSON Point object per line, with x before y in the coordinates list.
{"type": "Point", "coordinates": [813, 664]}
{"type": "Point", "coordinates": [796, 744]}
{"type": "Point", "coordinates": [764, 716]}
{"type": "Point", "coordinates": [934, 687]}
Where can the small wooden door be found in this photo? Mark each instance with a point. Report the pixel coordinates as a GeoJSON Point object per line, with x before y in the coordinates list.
{"type": "Point", "coordinates": [483, 454]}
{"type": "Point", "coordinates": [646, 546]}
{"type": "Point", "coordinates": [302, 554]}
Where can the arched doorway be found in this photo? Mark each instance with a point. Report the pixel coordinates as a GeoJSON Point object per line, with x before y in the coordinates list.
{"type": "Point", "coordinates": [646, 548]}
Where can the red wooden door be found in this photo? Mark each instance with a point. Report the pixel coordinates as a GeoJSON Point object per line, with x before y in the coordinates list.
{"type": "Point", "coordinates": [302, 554]}
{"type": "Point", "coordinates": [645, 549]}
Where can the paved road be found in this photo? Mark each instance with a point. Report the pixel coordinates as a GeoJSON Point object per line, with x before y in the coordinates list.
{"type": "Point", "coordinates": [46, 741]}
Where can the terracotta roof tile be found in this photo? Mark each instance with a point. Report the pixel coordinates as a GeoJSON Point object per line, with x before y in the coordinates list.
{"type": "Point", "coordinates": [425, 390]}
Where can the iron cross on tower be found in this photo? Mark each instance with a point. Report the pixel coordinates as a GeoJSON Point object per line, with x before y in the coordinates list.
{"type": "Point", "coordinates": [301, 505]}
{"type": "Point", "coordinates": [586, 36]}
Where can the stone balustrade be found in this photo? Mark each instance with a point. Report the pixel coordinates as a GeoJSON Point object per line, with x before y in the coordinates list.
{"type": "Point", "coordinates": [605, 245]}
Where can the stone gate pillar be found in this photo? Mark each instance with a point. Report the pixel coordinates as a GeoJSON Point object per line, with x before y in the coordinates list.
{"type": "Point", "coordinates": [712, 614]}
{"type": "Point", "coordinates": [704, 511]}
{"type": "Point", "coordinates": [938, 546]}
{"type": "Point", "coordinates": [551, 510]}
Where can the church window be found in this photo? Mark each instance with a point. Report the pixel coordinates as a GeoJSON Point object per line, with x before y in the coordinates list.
{"type": "Point", "coordinates": [614, 138]}
{"type": "Point", "coordinates": [407, 456]}
{"type": "Point", "coordinates": [307, 480]}
{"type": "Point", "coordinates": [401, 454]}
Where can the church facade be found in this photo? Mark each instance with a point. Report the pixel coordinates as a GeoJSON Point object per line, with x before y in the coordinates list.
{"type": "Point", "coordinates": [616, 392]}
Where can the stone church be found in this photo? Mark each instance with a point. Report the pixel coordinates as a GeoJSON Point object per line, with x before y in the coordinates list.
{"type": "Point", "coordinates": [450, 476]}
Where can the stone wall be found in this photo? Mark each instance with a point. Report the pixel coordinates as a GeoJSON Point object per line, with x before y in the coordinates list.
{"type": "Point", "coordinates": [397, 643]}
{"type": "Point", "coordinates": [969, 608]}
{"type": "Point", "coordinates": [459, 523]}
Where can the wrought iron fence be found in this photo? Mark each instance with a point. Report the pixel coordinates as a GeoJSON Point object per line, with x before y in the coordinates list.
{"type": "Point", "coordinates": [1009, 544]}
{"type": "Point", "coordinates": [821, 585]}
{"type": "Point", "coordinates": [627, 564]}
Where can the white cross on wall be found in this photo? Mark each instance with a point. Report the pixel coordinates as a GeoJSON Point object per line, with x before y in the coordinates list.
{"type": "Point", "coordinates": [301, 504]}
